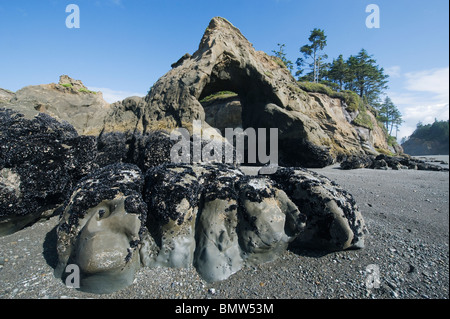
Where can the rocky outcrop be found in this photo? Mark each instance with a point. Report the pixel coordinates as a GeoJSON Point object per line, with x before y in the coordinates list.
{"type": "Point", "coordinates": [264, 95]}
{"type": "Point", "coordinates": [101, 228]}
{"type": "Point", "coordinates": [40, 160]}
{"type": "Point", "coordinates": [416, 146]}
{"type": "Point", "coordinates": [217, 220]}
{"type": "Point", "coordinates": [5, 96]}
{"type": "Point", "coordinates": [128, 116]}
{"type": "Point", "coordinates": [269, 98]}
{"type": "Point", "coordinates": [389, 162]}
{"type": "Point", "coordinates": [69, 100]}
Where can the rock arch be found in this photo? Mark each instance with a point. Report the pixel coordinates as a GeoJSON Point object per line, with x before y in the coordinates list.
{"type": "Point", "coordinates": [270, 96]}
{"type": "Point", "coordinates": [254, 93]}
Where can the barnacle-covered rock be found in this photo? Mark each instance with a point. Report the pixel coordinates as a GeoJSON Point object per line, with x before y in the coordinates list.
{"type": "Point", "coordinates": [101, 228]}
{"type": "Point", "coordinates": [269, 220]}
{"type": "Point", "coordinates": [172, 193]}
{"type": "Point", "coordinates": [210, 216]}
{"type": "Point", "coordinates": [144, 150]}
{"type": "Point", "coordinates": [219, 219]}
{"type": "Point", "coordinates": [383, 161]}
{"type": "Point", "coordinates": [334, 221]}
{"type": "Point", "coordinates": [40, 160]}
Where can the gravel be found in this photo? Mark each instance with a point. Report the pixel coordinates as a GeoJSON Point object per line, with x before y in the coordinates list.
{"type": "Point", "coordinates": [406, 213]}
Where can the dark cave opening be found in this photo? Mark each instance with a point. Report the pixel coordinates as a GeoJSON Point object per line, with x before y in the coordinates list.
{"type": "Point", "coordinates": [236, 95]}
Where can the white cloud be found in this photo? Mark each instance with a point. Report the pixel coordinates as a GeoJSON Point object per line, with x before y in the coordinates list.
{"type": "Point", "coordinates": [112, 96]}
{"type": "Point", "coordinates": [426, 98]}
{"type": "Point", "coordinates": [433, 81]}
{"type": "Point", "coordinates": [425, 114]}
{"type": "Point", "coordinates": [393, 71]}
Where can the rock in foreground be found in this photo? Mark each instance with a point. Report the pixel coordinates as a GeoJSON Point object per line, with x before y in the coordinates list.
{"type": "Point", "coordinates": [211, 216]}
{"type": "Point", "coordinates": [101, 228]}
{"type": "Point", "coordinates": [40, 161]}
{"type": "Point", "coordinates": [388, 162]}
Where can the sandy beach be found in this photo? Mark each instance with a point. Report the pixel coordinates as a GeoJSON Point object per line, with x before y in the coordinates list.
{"type": "Point", "coordinates": [406, 212]}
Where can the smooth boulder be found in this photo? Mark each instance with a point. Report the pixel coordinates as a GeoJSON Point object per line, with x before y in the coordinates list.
{"type": "Point", "coordinates": [101, 228]}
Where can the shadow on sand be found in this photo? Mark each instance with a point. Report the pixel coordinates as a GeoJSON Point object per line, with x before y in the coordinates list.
{"type": "Point", "coordinates": [49, 246]}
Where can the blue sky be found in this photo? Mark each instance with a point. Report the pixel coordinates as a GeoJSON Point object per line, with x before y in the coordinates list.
{"type": "Point", "coordinates": [123, 46]}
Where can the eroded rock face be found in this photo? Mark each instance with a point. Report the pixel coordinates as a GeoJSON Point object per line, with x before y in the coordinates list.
{"type": "Point", "coordinates": [68, 100]}
{"type": "Point", "coordinates": [40, 160]}
{"type": "Point", "coordinates": [223, 113]}
{"type": "Point", "coordinates": [268, 95]}
{"type": "Point", "coordinates": [334, 221]}
{"type": "Point", "coordinates": [210, 216]}
{"type": "Point", "coordinates": [102, 227]}
{"type": "Point", "coordinates": [219, 219]}
{"type": "Point", "coordinates": [269, 219]}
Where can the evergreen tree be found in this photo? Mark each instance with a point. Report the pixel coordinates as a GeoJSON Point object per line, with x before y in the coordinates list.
{"type": "Point", "coordinates": [312, 54]}
{"type": "Point", "coordinates": [282, 56]}
{"type": "Point", "coordinates": [389, 115]}
{"type": "Point", "coordinates": [337, 72]}
{"type": "Point", "coordinates": [438, 131]}
{"type": "Point", "coordinates": [365, 77]}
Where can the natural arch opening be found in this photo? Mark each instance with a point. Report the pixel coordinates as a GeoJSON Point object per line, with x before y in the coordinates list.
{"type": "Point", "coordinates": [232, 84]}
{"type": "Point", "coordinates": [223, 110]}
{"type": "Point", "coordinates": [236, 97]}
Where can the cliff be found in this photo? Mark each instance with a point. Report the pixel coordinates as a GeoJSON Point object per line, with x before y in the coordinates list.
{"type": "Point", "coordinates": [67, 100]}
{"type": "Point", "coordinates": [314, 129]}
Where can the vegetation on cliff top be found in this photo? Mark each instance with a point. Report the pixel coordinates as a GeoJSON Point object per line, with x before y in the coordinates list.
{"type": "Point", "coordinates": [357, 81]}
{"type": "Point", "coordinates": [218, 95]}
{"type": "Point", "coordinates": [351, 99]}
